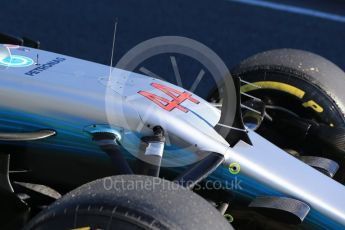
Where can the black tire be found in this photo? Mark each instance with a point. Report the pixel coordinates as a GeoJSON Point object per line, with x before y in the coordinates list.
{"type": "Point", "coordinates": [130, 202]}
{"type": "Point", "coordinates": [305, 83]}
{"type": "Point", "coordinates": [320, 79]}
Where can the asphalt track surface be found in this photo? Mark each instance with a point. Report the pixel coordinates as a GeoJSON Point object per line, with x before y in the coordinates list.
{"type": "Point", "coordinates": [233, 29]}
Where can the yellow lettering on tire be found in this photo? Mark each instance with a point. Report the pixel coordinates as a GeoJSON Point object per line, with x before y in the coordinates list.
{"type": "Point", "coordinates": [82, 228]}
{"type": "Point", "coordinates": [312, 104]}
{"type": "Point", "coordinates": [283, 87]}
{"type": "Point", "coordinates": [274, 85]}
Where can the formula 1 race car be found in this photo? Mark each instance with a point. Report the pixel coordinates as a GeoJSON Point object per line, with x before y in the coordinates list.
{"type": "Point", "coordinates": [85, 146]}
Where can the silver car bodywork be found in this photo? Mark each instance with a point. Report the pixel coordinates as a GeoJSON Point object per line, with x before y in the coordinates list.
{"type": "Point", "coordinates": [69, 95]}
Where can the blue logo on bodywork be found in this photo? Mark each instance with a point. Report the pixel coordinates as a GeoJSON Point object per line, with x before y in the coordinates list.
{"type": "Point", "coordinates": [16, 61]}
